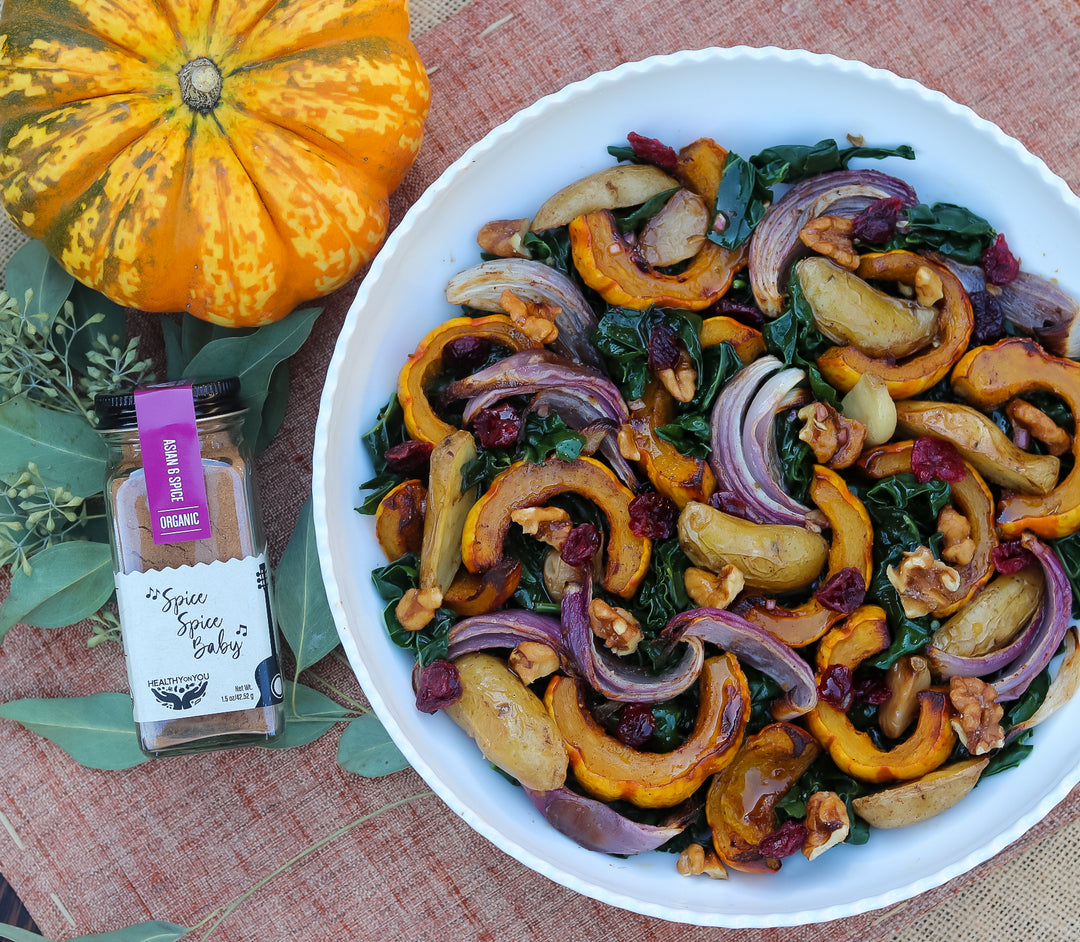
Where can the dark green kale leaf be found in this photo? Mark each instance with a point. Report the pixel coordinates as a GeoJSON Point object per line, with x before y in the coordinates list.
{"type": "Point", "coordinates": [824, 776]}
{"type": "Point", "coordinates": [488, 464]}
{"type": "Point", "coordinates": [548, 436]}
{"type": "Point", "coordinates": [793, 337]}
{"type": "Point", "coordinates": [633, 219]}
{"type": "Point", "coordinates": [389, 430]}
{"type": "Point", "coordinates": [1068, 550]}
{"type": "Point", "coordinates": [1023, 708]}
{"type": "Point", "coordinates": [796, 457]}
{"type": "Point", "coordinates": [531, 592]}
{"type": "Point", "coordinates": [391, 582]}
{"type": "Point", "coordinates": [662, 594]}
{"type": "Point", "coordinates": [746, 187]}
{"type": "Point", "coordinates": [552, 247]}
{"type": "Point", "coordinates": [904, 514]}
{"type": "Point", "coordinates": [789, 163]}
{"type": "Point", "coordinates": [950, 229]}
{"type": "Point", "coordinates": [763, 691]}
{"type": "Point", "coordinates": [623, 337]}
{"type": "Point", "coordinates": [741, 201]}
{"type": "Point", "coordinates": [691, 432]}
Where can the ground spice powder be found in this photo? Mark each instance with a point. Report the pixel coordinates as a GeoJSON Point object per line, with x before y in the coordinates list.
{"type": "Point", "coordinates": [195, 606]}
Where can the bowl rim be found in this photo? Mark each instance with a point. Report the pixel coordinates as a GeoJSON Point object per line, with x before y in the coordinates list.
{"type": "Point", "coordinates": [322, 522]}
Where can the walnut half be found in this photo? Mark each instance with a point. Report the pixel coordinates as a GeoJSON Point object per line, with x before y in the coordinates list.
{"type": "Point", "coordinates": [831, 236]}
{"type": "Point", "coordinates": [978, 719]}
{"type": "Point", "coordinates": [835, 439]}
{"type": "Point", "coordinates": [616, 627]}
{"type": "Point", "coordinates": [924, 584]}
{"type": "Point", "coordinates": [827, 823]}
{"type": "Point", "coordinates": [696, 860]}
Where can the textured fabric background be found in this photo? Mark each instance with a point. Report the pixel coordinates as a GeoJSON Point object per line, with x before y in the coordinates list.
{"type": "Point", "coordinates": [89, 851]}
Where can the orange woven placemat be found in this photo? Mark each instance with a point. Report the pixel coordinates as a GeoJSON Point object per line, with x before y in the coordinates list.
{"type": "Point", "coordinates": [172, 840]}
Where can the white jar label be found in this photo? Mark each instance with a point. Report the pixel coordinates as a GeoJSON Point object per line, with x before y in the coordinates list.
{"type": "Point", "coordinates": [198, 639]}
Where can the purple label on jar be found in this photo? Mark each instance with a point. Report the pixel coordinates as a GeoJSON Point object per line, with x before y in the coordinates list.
{"type": "Point", "coordinates": [175, 487]}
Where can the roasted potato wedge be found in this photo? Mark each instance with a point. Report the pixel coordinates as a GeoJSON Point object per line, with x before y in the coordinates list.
{"type": "Point", "coordinates": [677, 232]}
{"type": "Point", "coordinates": [922, 798]}
{"type": "Point", "coordinates": [510, 724]}
{"type": "Point", "coordinates": [611, 188]}
{"type": "Point", "coordinates": [848, 310]}
{"type": "Point", "coordinates": [776, 557]}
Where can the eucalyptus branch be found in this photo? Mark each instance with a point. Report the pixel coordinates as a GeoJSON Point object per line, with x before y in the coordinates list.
{"type": "Point", "coordinates": [218, 916]}
{"type": "Point", "coordinates": [358, 705]}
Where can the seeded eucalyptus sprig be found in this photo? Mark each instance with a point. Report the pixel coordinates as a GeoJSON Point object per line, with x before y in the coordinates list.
{"type": "Point", "coordinates": [34, 515]}
{"type": "Point", "coordinates": [60, 347]}
{"type": "Point", "coordinates": [60, 344]}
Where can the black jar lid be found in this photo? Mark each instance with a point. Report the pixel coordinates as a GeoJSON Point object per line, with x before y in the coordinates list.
{"type": "Point", "coordinates": [212, 397]}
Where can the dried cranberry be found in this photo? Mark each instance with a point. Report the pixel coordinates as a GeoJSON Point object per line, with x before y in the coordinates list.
{"type": "Point", "coordinates": [653, 515]}
{"type": "Point", "coordinates": [636, 724]}
{"type": "Point", "coordinates": [730, 503]}
{"type": "Point", "coordinates": [989, 318]}
{"type": "Point", "coordinates": [663, 349]}
{"type": "Point", "coordinates": [409, 458]}
{"type": "Point", "coordinates": [582, 544]}
{"type": "Point", "coordinates": [844, 592]}
{"type": "Point", "coordinates": [835, 687]}
{"type": "Point", "coordinates": [784, 841]}
{"type": "Point", "coordinates": [439, 686]}
{"type": "Point", "coordinates": [498, 427]}
{"type": "Point", "coordinates": [1012, 556]}
{"type": "Point", "coordinates": [1000, 265]}
{"type": "Point", "coordinates": [746, 313]}
{"type": "Point", "coordinates": [653, 151]}
{"type": "Point", "coordinates": [465, 353]}
{"type": "Point", "coordinates": [877, 223]}
{"type": "Point", "coordinates": [872, 690]}
{"type": "Point", "coordinates": [936, 459]}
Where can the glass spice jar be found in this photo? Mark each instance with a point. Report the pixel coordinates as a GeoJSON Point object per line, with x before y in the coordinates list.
{"type": "Point", "coordinates": [191, 569]}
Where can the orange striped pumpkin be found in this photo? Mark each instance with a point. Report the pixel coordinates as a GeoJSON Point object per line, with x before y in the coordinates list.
{"type": "Point", "coordinates": [229, 158]}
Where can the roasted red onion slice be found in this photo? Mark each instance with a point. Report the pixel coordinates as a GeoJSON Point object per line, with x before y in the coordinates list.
{"type": "Point", "coordinates": [749, 476]}
{"type": "Point", "coordinates": [759, 447]}
{"type": "Point", "coordinates": [775, 243]}
{"type": "Point", "coordinates": [532, 371]}
{"type": "Point", "coordinates": [597, 826]}
{"type": "Point", "coordinates": [944, 664]}
{"type": "Point", "coordinates": [482, 286]}
{"type": "Point", "coordinates": [751, 645]}
{"type": "Point", "coordinates": [507, 629]}
{"type": "Point", "coordinates": [1033, 303]}
{"type": "Point", "coordinates": [1057, 608]}
{"type": "Point", "coordinates": [580, 410]}
{"type": "Point", "coordinates": [1062, 688]}
{"type": "Point", "coordinates": [611, 676]}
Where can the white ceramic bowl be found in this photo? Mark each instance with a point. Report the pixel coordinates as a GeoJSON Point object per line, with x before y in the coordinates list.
{"type": "Point", "coordinates": [747, 99]}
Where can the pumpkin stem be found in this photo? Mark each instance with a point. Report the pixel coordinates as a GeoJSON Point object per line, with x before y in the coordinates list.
{"type": "Point", "coordinates": [200, 84]}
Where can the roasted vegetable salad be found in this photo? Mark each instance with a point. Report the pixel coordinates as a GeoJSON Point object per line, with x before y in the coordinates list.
{"type": "Point", "coordinates": [735, 514]}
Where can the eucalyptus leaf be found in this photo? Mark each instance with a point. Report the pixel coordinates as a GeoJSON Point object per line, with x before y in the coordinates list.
{"type": "Point", "coordinates": [174, 359]}
{"type": "Point", "coordinates": [33, 268]}
{"type": "Point", "coordinates": [64, 446]}
{"type": "Point", "coordinates": [308, 714]}
{"type": "Point", "coordinates": [253, 357]}
{"type": "Point", "coordinates": [142, 932]}
{"type": "Point", "coordinates": [300, 598]}
{"type": "Point", "coordinates": [96, 731]}
{"type": "Point", "coordinates": [274, 408]}
{"type": "Point", "coordinates": [69, 582]}
{"type": "Point", "coordinates": [87, 303]}
{"type": "Point", "coordinates": [366, 748]}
